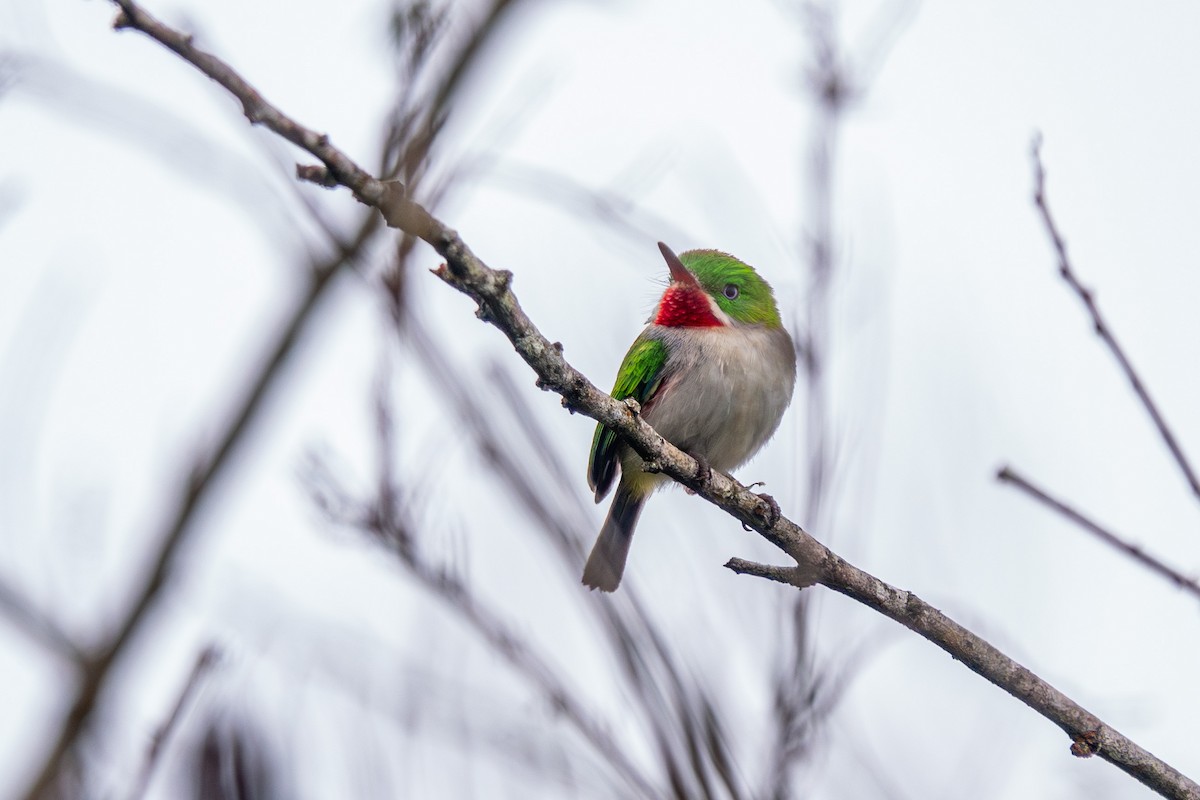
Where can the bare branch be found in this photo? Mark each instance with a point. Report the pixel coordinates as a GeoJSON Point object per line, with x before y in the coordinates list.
{"type": "Point", "coordinates": [256, 109]}
{"type": "Point", "coordinates": [498, 306]}
{"type": "Point", "coordinates": [1006, 475]}
{"type": "Point", "coordinates": [793, 576]}
{"type": "Point", "coordinates": [1088, 298]}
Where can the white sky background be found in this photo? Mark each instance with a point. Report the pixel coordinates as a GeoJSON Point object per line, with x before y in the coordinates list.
{"type": "Point", "coordinates": [137, 287]}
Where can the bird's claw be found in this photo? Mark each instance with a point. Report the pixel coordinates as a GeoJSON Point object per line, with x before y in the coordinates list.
{"type": "Point", "coordinates": [772, 514]}
{"type": "Point", "coordinates": [703, 472]}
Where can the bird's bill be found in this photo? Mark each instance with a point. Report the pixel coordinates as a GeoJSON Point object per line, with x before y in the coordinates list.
{"type": "Point", "coordinates": [679, 273]}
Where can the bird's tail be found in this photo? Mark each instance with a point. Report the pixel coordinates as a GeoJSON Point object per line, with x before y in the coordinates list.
{"type": "Point", "coordinates": [607, 561]}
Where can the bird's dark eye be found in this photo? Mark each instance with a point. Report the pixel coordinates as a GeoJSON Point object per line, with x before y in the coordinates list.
{"type": "Point", "coordinates": [731, 291]}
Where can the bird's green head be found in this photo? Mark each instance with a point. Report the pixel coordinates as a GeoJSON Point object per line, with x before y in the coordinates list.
{"type": "Point", "coordinates": [710, 288]}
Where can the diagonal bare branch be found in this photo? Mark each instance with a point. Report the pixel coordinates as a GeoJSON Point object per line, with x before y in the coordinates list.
{"type": "Point", "coordinates": [1007, 475]}
{"type": "Point", "coordinates": [499, 306]}
{"type": "Point", "coordinates": [1088, 298]}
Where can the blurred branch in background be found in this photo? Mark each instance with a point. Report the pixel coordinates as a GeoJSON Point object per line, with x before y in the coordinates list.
{"type": "Point", "coordinates": [1007, 475]}
{"type": "Point", "coordinates": [834, 81]}
{"type": "Point", "coordinates": [830, 85]}
{"type": "Point", "coordinates": [236, 760]}
{"type": "Point", "coordinates": [193, 492]}
{"type": "Point", "coordinates": [424, 105]}
{"type": "Point", "coordinates": [827, 81]}
{"type": "Point", "coordinates": [418, 120]}
{"type": "Point", "coordinates": [1088, 298]}
{"type": "Point", "coordinates": [609, 207]}
{"type": "Point", "coordinates": [205, 662]}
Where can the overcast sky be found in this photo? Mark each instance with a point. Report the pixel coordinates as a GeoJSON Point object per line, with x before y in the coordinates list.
{"type": "Point", "coordinates": [148, 246]}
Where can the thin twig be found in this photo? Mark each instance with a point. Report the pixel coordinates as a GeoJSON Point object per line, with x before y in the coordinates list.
{"type": "Point", "coordinates": [828, 80]}
{"type": "Point", "coordinates": [204, 663]}
{"type": "Point", "coordinates": [793, 576]}
{"type": "Point", "coordinates": [1006, 475]}
{"type": "Point", "coordinates": [610, 208]}
{"type": "Point", "coordinates": [499, 306]}
{"type": "Point", "coordinates": [256, 109]}
{"type": "Point", "coordinates": [1088, 298]}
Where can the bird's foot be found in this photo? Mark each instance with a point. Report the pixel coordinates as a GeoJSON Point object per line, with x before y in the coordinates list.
{"type": "Point", "coordinates": [703, 472]}
{"type": "Point", "coordinates": [772, 513]}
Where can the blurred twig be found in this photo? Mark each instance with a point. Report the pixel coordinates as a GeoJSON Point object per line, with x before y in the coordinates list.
{"type": "Point", "coordinates": [613, 209]}
{"type": "Point", "coordinates": [835, 80]}
{"type": "Point", "coordinates": [235, 760]}
{"type": "Point", "coordinates": [207, 659]}
{"type": "Point", "coordinates": [1007, 475]}
{"type": "Point", "coordinates": [1088, 298]}
{"type": "Point", "coordinates": [829, 82]}
{"type": "Point", "coordinates": [419, 118]}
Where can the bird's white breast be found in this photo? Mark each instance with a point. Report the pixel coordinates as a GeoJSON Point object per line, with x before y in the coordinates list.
{"type": "Point", "coordinates": [725, 392]}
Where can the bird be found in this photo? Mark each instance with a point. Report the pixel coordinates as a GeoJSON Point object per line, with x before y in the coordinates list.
{"type": "Point", "coordinates": [713, 372]}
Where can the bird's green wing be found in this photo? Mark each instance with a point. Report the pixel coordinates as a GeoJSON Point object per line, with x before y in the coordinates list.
{"type": "Point", "coordinates": [640, 376]}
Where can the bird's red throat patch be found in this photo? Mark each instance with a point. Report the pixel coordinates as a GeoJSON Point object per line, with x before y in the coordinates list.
{"type": "Point", "coordinates": [685, 307]}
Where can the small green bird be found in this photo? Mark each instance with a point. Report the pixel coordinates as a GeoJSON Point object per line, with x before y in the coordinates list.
{"type": "Point", "coordinates": [713, 372]}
